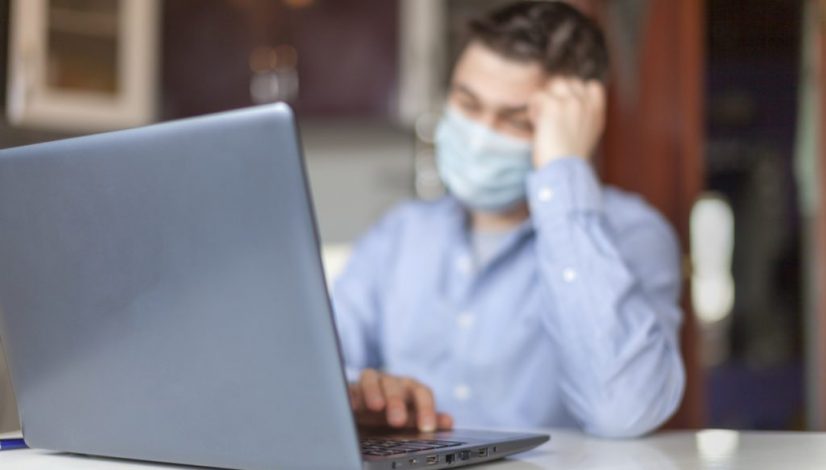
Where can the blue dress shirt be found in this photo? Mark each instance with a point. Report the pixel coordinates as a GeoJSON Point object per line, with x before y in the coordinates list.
{"type": "Point", "coordinates": [572, 323]}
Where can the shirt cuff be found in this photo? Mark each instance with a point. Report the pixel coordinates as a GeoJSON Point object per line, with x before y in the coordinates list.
{"type": "Point", "coordinates": [352, 374]}
{"type": "Point", "coordinates": [568, 185]}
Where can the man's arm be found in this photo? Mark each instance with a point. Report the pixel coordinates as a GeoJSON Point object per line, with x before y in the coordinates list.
{"type": "Point", "coordinates": [377, 399]}
{"type": "Point", "coordinates": [615, 315]}
{"type": "Point", "coordinates": [356, 298]}
{"type": "Point", "coordinates": [616, 289]}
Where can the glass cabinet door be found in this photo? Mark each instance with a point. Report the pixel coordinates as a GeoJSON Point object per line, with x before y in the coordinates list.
{"type": "Point", "coordinates": [82, 65]}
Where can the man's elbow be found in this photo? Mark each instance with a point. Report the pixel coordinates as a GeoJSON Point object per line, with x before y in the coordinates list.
{"type": "Point", "coordinates": [632, 417]}
{"type": "Point", "coordinates": [621, 427]}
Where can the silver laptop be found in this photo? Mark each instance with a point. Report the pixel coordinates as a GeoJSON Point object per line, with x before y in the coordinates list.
{"type": "Point", "coordinates": [162, 298]}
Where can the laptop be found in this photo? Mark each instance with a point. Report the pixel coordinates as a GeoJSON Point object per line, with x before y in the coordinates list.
{"type": "Point", "coordinates": [162, 298]}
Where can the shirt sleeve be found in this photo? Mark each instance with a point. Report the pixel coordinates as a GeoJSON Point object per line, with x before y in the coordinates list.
{"type": "Point", "coordinates": [357, 296]}
{"type": "Point", "coordinates": [615, 291]}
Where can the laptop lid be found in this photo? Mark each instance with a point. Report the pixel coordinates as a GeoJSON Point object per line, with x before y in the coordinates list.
{"type": "Point", "coordinates": [162, 297]}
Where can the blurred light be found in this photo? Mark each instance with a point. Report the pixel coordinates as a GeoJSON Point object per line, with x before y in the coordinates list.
{"type": "Point", "coordinates": [427, 182]}
{"type": "Point", "coordinates": [712, 247]}
{"type": "Point", "coordinates": [263, 59]}
{"type": "Point", "coordinates": [334, 258]}
{"type": "Point", "coordinates": [299, 3]}
{"type": "Point", "coordinates": [266, 58]}
{"type": "Point", "coordinates": [274, 74]}
{"type": "Point", "coordinates": [717, 446]}
{"type": "Point", "coordinates": [426, 126]}
{"type": "Point", "coordinates": [286, 56]}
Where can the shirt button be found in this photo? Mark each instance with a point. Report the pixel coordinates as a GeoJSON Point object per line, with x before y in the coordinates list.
{"type": "Point", "coordinates": [461, 392]}
{"type": "Point", "coordinates": [545, 194]}
{"type": "Point", "coordinates": [465, 320]}
{"type": "Point", "coordinates": [569, 275]}
{"type": "Point", "coordinates": [464, 264]}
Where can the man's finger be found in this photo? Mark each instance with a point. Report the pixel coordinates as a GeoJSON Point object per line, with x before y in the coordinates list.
{"type": "Point", "coordinates": [396, 398]}
{"type": "Point", "coordinates": [445, 421]}
{"type": "Point", "coordinates": [371, 390]}
{"type": "Point", "coordinates": [596, 93]}
{"type": "Point", "coordinates": [559, 89]}
{"type": "Point", "coordinates": [577, 87]}
{"type": "Point", "coordinates": [356, 400]}
{"type": "Point", "coordinates": [425, 407]}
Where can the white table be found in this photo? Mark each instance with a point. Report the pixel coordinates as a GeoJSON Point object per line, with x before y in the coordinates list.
{"type": "Point", "coordinates": [709, 449]}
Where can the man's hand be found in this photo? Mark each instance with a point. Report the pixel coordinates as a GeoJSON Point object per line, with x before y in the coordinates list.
{"type": "Point", "coordinates": [382, 400]}
{"type": "Point", "coordinates": [568, 117]}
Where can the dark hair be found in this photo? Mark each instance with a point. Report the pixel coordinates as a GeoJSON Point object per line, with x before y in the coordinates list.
{"type": "Point", "coordinates": [558, 36]}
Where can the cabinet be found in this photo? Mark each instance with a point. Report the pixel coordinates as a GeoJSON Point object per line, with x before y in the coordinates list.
{"type": "Point", "coordinates": [82, 65]}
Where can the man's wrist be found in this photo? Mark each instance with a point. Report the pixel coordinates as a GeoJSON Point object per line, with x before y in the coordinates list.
{"type": "Point", "coordinates": [544, 159]}
{"type": "Point", "coordinates": [564, 184]}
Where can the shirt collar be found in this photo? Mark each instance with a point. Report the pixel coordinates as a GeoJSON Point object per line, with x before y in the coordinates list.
{"type": "Point", "coordinates": [459, 222]}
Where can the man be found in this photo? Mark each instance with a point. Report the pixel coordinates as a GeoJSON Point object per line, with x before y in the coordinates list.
{"type": "Point", "coordinates": [530, 296]}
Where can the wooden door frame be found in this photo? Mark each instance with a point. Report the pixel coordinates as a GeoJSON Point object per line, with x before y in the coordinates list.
{"type": "Point", "coordinates": [816, 248]}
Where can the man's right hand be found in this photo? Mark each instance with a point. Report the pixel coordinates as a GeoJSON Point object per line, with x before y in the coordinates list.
{"type": "Point", "coordinates": [382, 400]}
{"type": "Point", "coordinates": [568, 117]}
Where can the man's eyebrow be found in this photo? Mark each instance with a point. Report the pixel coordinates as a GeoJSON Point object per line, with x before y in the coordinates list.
{"type": "Point", "coordinates": [505, 110]}
{"type": "Point", "coordinates": [509, 111]}
{"type": "Point", "coordinates": [465, 90]}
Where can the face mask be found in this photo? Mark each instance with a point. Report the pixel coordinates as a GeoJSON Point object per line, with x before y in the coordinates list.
{"type": "Point", "coordinates": [484, 169]}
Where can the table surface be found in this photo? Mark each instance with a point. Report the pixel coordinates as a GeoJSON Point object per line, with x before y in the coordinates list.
{"type": "Point", "coordinates": [707, 449]}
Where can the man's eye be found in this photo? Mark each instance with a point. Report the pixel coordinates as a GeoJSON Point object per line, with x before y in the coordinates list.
{"type": "Point", "coordinates": [469, 107]}
{"type": "Point", "coordinates": [521, 124]}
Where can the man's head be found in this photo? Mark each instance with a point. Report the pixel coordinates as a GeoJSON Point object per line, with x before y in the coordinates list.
{"type": "Point", "coordinates": [511, 53]}
{"type": "Point", "coordinates": [525, 90]}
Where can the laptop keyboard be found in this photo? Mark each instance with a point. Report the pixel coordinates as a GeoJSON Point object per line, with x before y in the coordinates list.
{"type": "Point", "coordinates": [384, 447]}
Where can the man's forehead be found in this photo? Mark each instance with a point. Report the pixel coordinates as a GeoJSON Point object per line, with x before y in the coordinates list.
{"type": "Point", "coordinates": [496, 80]}
{"type": "Point", "coordinates": [509, 102]}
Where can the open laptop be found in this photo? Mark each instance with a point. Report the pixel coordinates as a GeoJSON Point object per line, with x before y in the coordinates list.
{"type": "Point", "coordinates": [162, 298]}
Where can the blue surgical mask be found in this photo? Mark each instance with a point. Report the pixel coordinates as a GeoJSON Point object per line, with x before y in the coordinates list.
{"type": "Point", "coordinates": [482, 168]}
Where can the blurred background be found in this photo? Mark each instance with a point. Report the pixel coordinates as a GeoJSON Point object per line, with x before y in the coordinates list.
{"type": "Point", "coordinates": [715, 117]}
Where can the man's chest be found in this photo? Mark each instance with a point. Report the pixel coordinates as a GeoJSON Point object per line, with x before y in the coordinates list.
{"type": "Point", "coordinates": [440, 308]}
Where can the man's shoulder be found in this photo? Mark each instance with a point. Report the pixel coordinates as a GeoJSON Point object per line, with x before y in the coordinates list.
{"type": "Point", "coordinates": [410, 221]}
{"type": "Point", "coordinates": [414, 212]}
{"type": "Point", "coordinates": [406, 224]}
